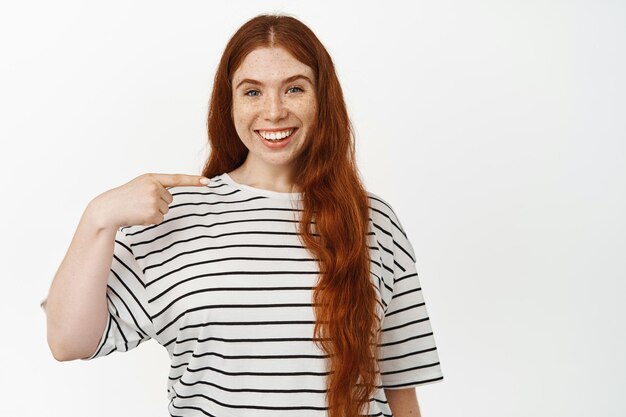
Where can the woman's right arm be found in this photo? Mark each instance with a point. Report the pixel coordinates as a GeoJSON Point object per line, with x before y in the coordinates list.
{"type": "Point", "coordinates": [76, 307]}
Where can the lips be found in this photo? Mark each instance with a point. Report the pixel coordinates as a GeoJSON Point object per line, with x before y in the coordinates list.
{"type": "Point", "coordinates": [275, 144]}
{"type": "Point", "coordinates": [276, 134]}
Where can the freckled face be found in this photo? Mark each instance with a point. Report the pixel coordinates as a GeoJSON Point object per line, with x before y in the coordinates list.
{"type": "Point", "coordinates": [273, 97]}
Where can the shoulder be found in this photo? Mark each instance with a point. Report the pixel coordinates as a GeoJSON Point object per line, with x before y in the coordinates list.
{"type": "Point", "coordinates": [383, 213]}
{"type": "Point", "coordinates": [387, 225]}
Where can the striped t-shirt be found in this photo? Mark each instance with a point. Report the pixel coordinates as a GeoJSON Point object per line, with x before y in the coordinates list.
{"type": "Point", "coordinates": [225, 285]}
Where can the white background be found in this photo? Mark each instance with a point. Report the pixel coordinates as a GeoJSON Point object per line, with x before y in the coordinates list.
{"type": "Point", "coordinates": [496, 129]}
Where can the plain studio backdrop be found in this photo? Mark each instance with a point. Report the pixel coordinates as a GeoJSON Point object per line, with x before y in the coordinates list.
{"type": "Point", "coordinates": [496, 130]}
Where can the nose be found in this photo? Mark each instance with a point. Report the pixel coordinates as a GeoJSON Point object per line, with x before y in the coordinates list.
{"type": "Point", "coordinates": [274, 107]}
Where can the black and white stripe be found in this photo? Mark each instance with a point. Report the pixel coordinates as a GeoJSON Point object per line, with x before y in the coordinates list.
{"type": "Point", "coordinates": [225, 285]}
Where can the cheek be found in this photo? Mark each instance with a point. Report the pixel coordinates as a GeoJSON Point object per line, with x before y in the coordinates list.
{"type": "Point", "coordinates": [241, 116]}
{"type": "Point", "coordinates": [311, 114]}
{"type": "Point", "coordinates": [306, 111]}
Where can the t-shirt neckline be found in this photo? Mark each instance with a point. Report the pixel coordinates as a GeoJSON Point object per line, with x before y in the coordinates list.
{"type": "Point", "coordinates": [261, 191]}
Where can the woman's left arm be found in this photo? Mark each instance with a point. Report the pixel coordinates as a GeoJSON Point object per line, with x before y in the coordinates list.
{"type": "Point", "coordinates": [403, 402]}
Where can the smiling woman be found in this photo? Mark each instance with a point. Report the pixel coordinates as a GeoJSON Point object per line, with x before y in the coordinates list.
{"type": "Point", "coordinates": [281, 287]}
{"type": "Point", "coordinates": [274, 110]}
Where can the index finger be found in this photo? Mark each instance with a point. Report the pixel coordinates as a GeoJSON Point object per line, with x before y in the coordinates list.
{"type": "Point", "coordinates": [173, 180]}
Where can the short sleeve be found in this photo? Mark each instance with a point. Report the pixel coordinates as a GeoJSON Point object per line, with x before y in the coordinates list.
{"type": "Point", "coordinates": [408, 354]}
{"type": "Point", "coordinates": [129, 322]}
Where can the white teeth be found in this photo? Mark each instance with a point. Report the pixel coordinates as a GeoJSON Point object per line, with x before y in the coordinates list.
{"type": "Point", "coordinates": [275, 135]}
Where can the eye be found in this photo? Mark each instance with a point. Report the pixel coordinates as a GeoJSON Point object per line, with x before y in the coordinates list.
{"type": "Point", "coordinates": [248, 93]}
{"type": "Point", "coordinates": [298, 89]}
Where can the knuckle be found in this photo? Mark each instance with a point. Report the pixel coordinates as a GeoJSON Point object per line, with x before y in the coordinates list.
{"type": "Point", "coordinates": [146, 179]}
{"type": "Point", "coordinates": [153, 187]}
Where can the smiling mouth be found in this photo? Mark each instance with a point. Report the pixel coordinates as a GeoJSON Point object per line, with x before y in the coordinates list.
{"type": "Point", "coordinates": [276, 136]}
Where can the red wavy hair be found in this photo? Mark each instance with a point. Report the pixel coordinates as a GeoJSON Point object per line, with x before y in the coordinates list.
{"type": "Point", "coordinates": [345, 303]}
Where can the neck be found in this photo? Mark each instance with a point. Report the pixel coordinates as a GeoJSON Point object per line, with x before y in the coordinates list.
{"type": "Point", "coordinates": [267, 177]}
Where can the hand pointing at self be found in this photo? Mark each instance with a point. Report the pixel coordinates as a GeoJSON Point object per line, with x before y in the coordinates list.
{"type": "Point", "coordinates": [142, 201]}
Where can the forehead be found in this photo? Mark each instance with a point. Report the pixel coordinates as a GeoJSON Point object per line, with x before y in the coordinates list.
{"type": "Point", "coordinates": [270, 64]}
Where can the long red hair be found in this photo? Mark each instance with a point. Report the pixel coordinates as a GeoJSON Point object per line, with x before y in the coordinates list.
{"type": "Point", "coordinates": [347, 325]}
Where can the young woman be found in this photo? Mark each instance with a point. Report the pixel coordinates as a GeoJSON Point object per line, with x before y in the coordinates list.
{"type": "Point", "coordinates": [280, 286]}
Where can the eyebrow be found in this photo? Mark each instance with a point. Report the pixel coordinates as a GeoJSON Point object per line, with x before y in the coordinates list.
{"type": "Point", "coordinates": [285, 81]}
